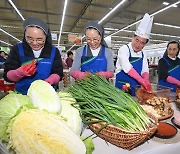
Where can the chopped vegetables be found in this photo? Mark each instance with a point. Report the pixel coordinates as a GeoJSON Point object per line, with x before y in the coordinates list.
{"type": "Point", "coordinates": [160, 104]}
{"type": "Point", "coordinates": [99, 99]}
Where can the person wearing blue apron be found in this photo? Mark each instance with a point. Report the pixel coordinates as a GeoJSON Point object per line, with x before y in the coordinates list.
{"type": "Point", "coordinates": [33, 59]}
{"type": "Point", "coordinates": [95, 57]}
{"type": "Point", "coordinates": [90, 63]}
{"type": "Point", "coordinates": [122, 78]}
{"type": "Point", "coordinates": [132, 65]}
{"type": "Point", "coordinates": [169, 67]}
{"type": "Point", "coordinates": [44, 66]}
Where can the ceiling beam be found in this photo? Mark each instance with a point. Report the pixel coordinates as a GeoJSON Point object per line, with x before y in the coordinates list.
{"type": "Point", "coordinates": [81, 14]}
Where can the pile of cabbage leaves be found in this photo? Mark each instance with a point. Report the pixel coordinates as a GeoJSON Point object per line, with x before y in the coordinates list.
{"type": "Point", "coordinates": [43, 121]}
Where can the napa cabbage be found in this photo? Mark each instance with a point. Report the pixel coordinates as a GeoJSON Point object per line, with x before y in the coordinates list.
{"type": "Point", "coordinates": [9, 107]}
{"type": "Point", "coordinates": [44, 96]}
{"type": "Point", "coordinates": [69, 112]}
{"type": "Point", "coordinates": [36, 131]}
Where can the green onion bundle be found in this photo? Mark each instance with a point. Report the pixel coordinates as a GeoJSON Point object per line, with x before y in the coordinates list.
{"type": "Point", "coordinates": [100, 101]}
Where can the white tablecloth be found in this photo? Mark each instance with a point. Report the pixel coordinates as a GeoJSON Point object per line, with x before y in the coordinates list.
{"type": "Point", "coordinates": [152, 146]}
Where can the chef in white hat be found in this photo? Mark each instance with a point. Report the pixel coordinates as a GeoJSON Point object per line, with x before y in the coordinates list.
{"type": "Point", "coordinates": [132, 65]}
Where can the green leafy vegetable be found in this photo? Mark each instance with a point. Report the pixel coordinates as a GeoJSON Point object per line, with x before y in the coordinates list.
{"type": "Point", "coordinates": [99, 99]}
{"type": "Point", "coordinates": [44, 96]}
{"type": "Point", "coordinates": [89, 144]}
{"type": "Point", "coordinates": [9, 106]}
{"type": "Point", "coordinates": [70, 113]}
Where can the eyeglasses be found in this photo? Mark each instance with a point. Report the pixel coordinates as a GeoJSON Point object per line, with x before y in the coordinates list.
{"type": "Point", "coordinates": [38, 40]}
{"type": "Point", "coordinates": [93, 40]}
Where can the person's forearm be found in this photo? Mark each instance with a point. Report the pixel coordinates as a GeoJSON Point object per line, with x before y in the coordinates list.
{"type": "Point", "coordinates": [173, 80]}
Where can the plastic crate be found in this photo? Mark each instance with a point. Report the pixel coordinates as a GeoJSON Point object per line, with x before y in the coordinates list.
{"type": "Point", "coordinates": [1, 84]}
{"type": "Point", "coordinates": [6, 86]}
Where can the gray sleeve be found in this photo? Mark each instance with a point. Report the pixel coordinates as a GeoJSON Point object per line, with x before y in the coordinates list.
{"type": "Point", "coordinates": [110, 62]}
{"type": "Point", "coordinates": [77, 60]}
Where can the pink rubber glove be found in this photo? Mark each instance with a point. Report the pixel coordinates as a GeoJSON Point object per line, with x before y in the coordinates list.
{"type": "Point", "coordinates": [79, 75]}
{"type": "Point", "coordinates": [145, 83]}
{"type": "Point", "coordinates": [25, 70]}
{"type": "Point", "coordinates": [106, 75]}
{"type": "Point", "coordinates": [145, 76]}
{"type": "Point", "coordinates": [173, 80]}
{"type": "Point", "coordinates": [53, 79]}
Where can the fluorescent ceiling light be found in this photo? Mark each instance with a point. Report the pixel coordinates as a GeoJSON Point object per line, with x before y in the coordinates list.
{"type": "Point", "coordinates": [150, 15]}
{"type": "Point", "coordinates": [165, 3]}
{"type": "Point", "coordinates": [62, 21]}
{"type": "Point", "coordinates": [6, 43]}
{"type": "Point", "coordinates": [166, 25]}
{"type": "Point", "coordinates": [72, 47]}
{"type": "Point", "coordinates": [107, 15]}
{"type": "Point", "coordinates": [110, 29]}
{"type": "Point", "coordinates": [5, 26]}
{"type": "Point", "coordinates": [172, 5]}
{"type": "Point", "coordinates": [14, 6]}
{"type": "Point", "coordinates": [175, 6]}
{"type": "Point", "coordinates": [9, 34]}
{"type": "Point", "coordinates": [124, 37]}
{"type": "Point", "coordinates": [157, 40]}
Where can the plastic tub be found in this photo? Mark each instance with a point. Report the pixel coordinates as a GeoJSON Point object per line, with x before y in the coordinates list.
{"type": "Point", "coordinates": [159, 91]}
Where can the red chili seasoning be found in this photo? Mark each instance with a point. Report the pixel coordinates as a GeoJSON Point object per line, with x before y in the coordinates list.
{"type": "Point", "coordinates": [165, 129]}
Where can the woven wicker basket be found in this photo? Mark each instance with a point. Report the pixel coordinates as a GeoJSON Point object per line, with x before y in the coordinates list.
{"type": "Point", "coordinates": [124, 139]}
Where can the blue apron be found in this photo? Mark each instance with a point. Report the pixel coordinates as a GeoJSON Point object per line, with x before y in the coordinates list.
{"type": "Point", "coordinates": [93, 64]}
{"type": "Point", "coordinates": [123, 78]}
{"type": "Point", "coordinates": [43, 66]}
{"type": "Point", "coordinates": [174, 72]}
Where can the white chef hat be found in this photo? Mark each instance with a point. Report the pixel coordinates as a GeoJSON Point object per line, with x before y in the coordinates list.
{"type": "Point", "coordinates": [144, 28]}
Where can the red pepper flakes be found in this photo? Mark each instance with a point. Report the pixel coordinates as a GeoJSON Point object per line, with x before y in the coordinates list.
{"type": "Point", "coordinates": [165, 129]}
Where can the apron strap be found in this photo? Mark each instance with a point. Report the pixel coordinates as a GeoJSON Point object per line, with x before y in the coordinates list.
{"type": "Point", "coordinates": [21, 50]}
{"type": "Point", "coordinates": [166, 61]}
{"type": "Point", "coordinates": [53, 51]}
{"type": "Point", "coordinates": [84, 51]}
{"type": "Point", "coordinates": [103, 50]}
{"type": "Point", "coordinates": [130, 52]}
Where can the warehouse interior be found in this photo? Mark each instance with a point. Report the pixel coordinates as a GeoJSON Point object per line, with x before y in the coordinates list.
{"type": "Point", "coordinates": [75, 95]}
{"type": "Point", "coordinates": [118, 17]}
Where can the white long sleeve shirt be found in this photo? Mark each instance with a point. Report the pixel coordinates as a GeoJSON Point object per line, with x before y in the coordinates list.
{"type": "Point", "coordinates": [123, 62]}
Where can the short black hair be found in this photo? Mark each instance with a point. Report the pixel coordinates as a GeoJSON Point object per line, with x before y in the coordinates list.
{"type": "Point", "coordinates": [69, 53]}
{"type": "Point", "coordinates": [1, 51]}
{"type": "Point", "coordinates": [147, 40]}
